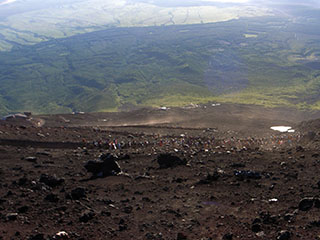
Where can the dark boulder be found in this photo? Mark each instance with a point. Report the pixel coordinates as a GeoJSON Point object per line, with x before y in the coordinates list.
{"type": "Point", "coordinates": [227, 236]}
{"type": "Point", "coordinates": [181, 236]}
{"type": "Point", "coordinates": [51, 197]}
{"type": "Point", "coordinates": [317, 203]}
{"type": "Point", "coordinates": [31, 159]}
{"type": "Point", "coordinates": [299, 149]}
{"type": "Point", "coordinates": [38, 236]}
{"type": "Point", "coordinates": [78, 193]}
{"type": "Point", "coordinates": [306, 204]}
{"type": "Point", "coordinates": [86, 216]}
{"type": "Point", "coordinates": [242, 175]}
{"type": "Point", "coordinates": [210, 178]}
{"type": "Point", "coordinates": [12, 216]}
{"type": "Point", "coordinates": [284, 235]}
{"type": "Point", "coordinates": [23, 209]}
{"type": "Point", "coordinates": [256, 227]}
{"type": "Point", "coordinates": [105, 166]}
{"type": "Point", "coordinates": [167, 160]}
{"type": "Point", "coordinates": [51, 181]}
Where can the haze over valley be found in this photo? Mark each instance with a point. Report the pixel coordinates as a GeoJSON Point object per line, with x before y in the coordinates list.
{"type": "Point", "coordinates": [80, 55]}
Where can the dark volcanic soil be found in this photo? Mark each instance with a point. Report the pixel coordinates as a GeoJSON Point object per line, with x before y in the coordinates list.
{"type": "Point", "coordinates": [203, 173]}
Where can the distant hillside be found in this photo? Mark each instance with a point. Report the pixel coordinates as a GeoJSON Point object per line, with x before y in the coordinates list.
{"type": "Point", "coordinates": [267, 61]}
{"type": "Point", "coordinates": [27, 22]}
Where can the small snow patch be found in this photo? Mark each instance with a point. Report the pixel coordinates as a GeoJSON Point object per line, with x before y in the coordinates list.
{"type": "Point", "coordinates": [283, 129]}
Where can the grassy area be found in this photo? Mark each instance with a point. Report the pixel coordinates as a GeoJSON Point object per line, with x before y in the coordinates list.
{"type": "Point", "coordinates": [171, 66]}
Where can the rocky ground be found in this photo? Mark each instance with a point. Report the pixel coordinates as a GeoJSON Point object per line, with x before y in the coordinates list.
{"type": "Point", "coordinates": [200, 173]}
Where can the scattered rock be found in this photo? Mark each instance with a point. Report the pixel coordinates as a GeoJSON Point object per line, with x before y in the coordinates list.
{"type": "Point", "coordinates": [61, 235]}
{"type": "Point", "coordinates": [38, 236]}
{"type": "Point", "coordinates": [122, 225]}
{"type": "Point", "coordinates": [284, 235]}
{"type": "Point", "coordinates": [256, 228]}
{"type": "Point", "coordinates": [181, 236]}
{"type": "Point", "coordinates": [86, 216]}
{"type": "Point", "coordinates": [242, 175]}
{"type": "Point", "coordinates": [51, 181]}
{"type": "Point", "coordinates": [31, 159]}
{"type": "Point", "coordinates": [315, 223]}
{"type": "Point", "coordinates": [154, 236]}
{"type": "Point", "coordinates": [210, 178]}
{"type": "Point", "coordinates": [228, 236]}
{"type": "Point", "coordinates": [105, 166]}
{"type": "Point", "coordinates": [52, 198]}
{"type": "Point", "coordinates": [237, 165]}
{"type": "Point", "coordinates": [288, 217]}
{"type": "Point", "coordinates": [269, 219]}
{"type": "Point", "coordinates": [12, 216]}
{"type": "Point", "coordinates": [167, 161]}
{"type": "Point", "coordinates": [299, 149]}
{"type": "Point", "coordinates": [23, 209]}
{"type": "Point", "coordinates": [23, 181]}
{"type": "Point", "coordinates": [41, 135]}
{"type": "Point", "coordinates": [260, 234]}
{"type": "Point", "coordinates": [128, 209]}
{"type": "Point", "coordinates": [124, 157]}
{"type": "Point", "coordinates": [78, 193]}
{"type": "Point", "coordinates": [43, 153]}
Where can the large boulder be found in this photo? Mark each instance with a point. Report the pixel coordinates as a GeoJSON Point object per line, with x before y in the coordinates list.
{"type": "Point", "coordinates": [105, 166]}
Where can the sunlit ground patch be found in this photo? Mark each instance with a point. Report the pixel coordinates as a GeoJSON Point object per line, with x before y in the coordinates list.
{"type": "Point", "coordinates": [283, 129]}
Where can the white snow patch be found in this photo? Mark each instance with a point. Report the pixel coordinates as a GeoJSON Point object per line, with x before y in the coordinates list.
{"type": "Point", "coordinates": [283, 129]}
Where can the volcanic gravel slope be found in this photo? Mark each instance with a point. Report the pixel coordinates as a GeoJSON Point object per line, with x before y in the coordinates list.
{"type": "Point", "coordinates": [177, 181]}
